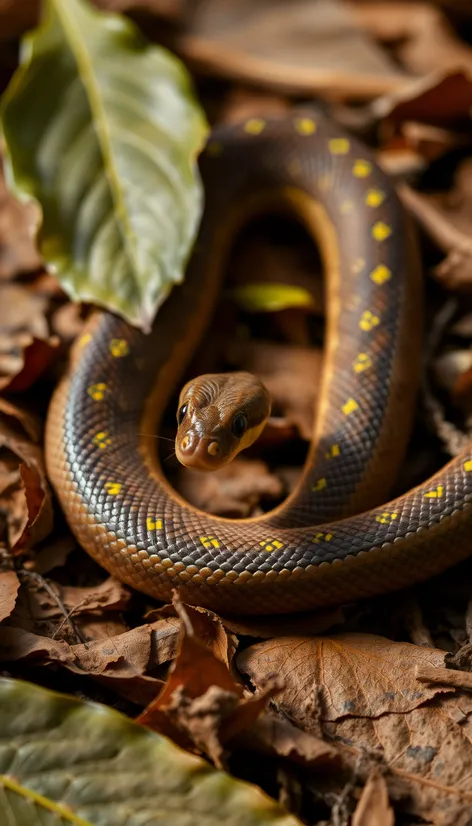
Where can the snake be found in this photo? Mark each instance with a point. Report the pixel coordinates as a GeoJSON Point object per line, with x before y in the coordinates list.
{"type": "Point", "coordinates": [337, 537]}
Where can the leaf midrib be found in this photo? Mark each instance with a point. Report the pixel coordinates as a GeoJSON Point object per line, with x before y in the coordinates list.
{"type": "Point", "coordinates": [85, 67]}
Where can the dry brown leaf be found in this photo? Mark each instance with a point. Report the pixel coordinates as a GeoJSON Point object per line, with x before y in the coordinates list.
{"type": "Point", "coordinates": [275, 736]}
{"type": "Point", "coordinates": [428, 752]}
{"type": "Point", "coordinates": [9, 585]}
{"type": "Point", "coordinates": [233, 491]}
{"type": "Point", "coordinates": [422, 37]}
{"type": "Point", "coordinates": [446, 218]}
{"type": "Point", "coordinates": [53, 555]}
{"type": "Point", "coordinates": [305, 46]}
{"type": "Point", "coordinates": [110, 595]}
{"type": "Point", "coordinates": [442, 99]}
{"type": "Point", "coordinates": [18, 413]}
{"type": "Point", "coordinates": [373, 808]}
{"type": "Point", "coordinates": [27, 503]}
{"type": "Point", "coordinates": [343, 675]}
{"type": "Point", "coordinates": [18, 221]}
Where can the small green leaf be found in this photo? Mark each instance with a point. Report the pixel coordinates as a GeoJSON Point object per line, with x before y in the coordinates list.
{"type": "Point", "coordinates": [103, 130]}
{"type": "Point", "coordinates": [67, 761]}
{"type": "Point", "coordinates": [270, 298]}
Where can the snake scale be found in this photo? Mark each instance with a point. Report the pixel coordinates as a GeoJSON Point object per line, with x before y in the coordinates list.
{"type": "Point", "coordinates": [333, 539]}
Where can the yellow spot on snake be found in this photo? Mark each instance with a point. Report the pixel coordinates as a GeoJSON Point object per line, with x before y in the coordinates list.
{"type": "Point", "coordinates": [254, 126]}
{"type": "Point", "coordinates": [153, 523]}
{"type": "Point", "coordinates": [97, 391]}
{"type": "Point", "coordinates": [362, 169]}
{"type": "Point", "coordinates": [339, 146]}
{"type": "Point", "coordinates": [209, 542]}
{"type": "Point", "coordinates": [374, 198]}
{"type": "Point", "coordinates": [119, 347]}
{"type": "Point", "coordinates": [214, 149]}
{"type": "Point", "coordinates": [468, 466]}
{"type": "Point", "coordinates": [381, 231]}
{"type": "Point", "coordinates": [346, 207]}
{"type": "Point", "coordinates": [381, 274]}
{"type": "Point", "coordinates": [332, 452]}
{"type": "Point", "coordinates": [358, 266]}
{"type": "Point", "coordinates": [434, 494]}
{"type": "Point", "coordinates": [322, 537]}
{"type": "Point", "coordinates": [349, 407]}
{"type": "Point", "coordinates": [102, 440]}
{"type": "Point", "coordinates": [271, 545]}
{"type": "Point", "coordinates": [113, 488]}
{"type": "Point", "coordinates": [319, 485]}
{"type": "Point", "coordinates": [305, 126]}
{"type": "Point", "coordinates": [325, 182]}
{"type": "Point", "coordinates": [368, 321]}
{"type": "Point", "coordinates": [84, 340]}
{"type": "Point", "coordinates": [362, 362]}
{"type": "Point", "coordinates": [386, 518]}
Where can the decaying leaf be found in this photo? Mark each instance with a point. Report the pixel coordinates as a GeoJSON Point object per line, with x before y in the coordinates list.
{"type": "Point", "coordinates": [121, 118]}
{"type": "Point", "coordinates": [342, 675]}
{"type": "Point", "coordinates": [300, 48]}
{"type": "Point", "coordinates": [118, 768]}
{"type": "Point", "coordinates": [373, 808]}
{"type": "Point", "coordinates": [9, 585]}
{"type": "Point", "coordinates": [26, 498]}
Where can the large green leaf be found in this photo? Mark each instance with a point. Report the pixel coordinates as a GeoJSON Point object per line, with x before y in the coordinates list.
{"type": "Point", "coordinates": [67, 761]}
{"type": "Point", "coordinates": [103, 130]}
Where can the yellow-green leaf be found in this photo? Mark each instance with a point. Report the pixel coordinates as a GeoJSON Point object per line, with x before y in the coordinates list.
{"type": "Point", "coordinates": [270, 298]}
{"type": "Point", "coordinates": [102, 129]}
{"type": "Point", "coordinates": [63, 760]}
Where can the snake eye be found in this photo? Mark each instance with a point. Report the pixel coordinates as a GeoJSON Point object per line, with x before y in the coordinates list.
{"type": "Point", "coordinates": [239, 425]}
{"type": "Point", "coordinates": [182, 413]}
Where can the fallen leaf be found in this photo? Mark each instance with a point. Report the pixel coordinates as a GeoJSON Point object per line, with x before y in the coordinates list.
{"type": "Point", "coordinates": [304, 47]}
{"type": "Point", "coordinates": [275, 736]}
{"type": "Point", "coordinates": [9, 585]}
{"type": "Point", "coordinates": [441, 99]}
{"type": "Point", "coordinates": [18, 221]}
{"type": "Point", "coordinates": [234, 490]}
{"type": "Point", "coordinates": [28, 421]}
{"type": "Point", "coordinates": [28, 503]}
{"type": "Point", "coordinates": [373, 808]}
{"type": "Point", "coordinates": [342, 675]}
{"type": "Point", "coordinates": [422, 38]}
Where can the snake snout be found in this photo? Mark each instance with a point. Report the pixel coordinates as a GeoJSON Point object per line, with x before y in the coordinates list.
{"type": "Point", "coordinates": [199, 453]}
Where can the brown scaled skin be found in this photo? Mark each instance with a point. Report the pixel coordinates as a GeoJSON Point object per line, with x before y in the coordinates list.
{"type": "Point", "coordinates": [218, 415]}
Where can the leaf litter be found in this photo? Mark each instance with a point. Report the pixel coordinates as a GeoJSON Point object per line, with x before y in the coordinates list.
{"type": "Point", "coordinates": [360, 714]}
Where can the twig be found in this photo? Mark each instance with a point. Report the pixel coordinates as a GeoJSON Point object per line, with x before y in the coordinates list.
{"type": "Point", "coordinates": [43, 583]}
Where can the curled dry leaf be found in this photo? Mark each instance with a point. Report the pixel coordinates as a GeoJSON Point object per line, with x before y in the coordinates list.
{"type": "Point", "coordinates": [9, 585]}
{"type": "Point", "coordinates": [26, 497]}
{"type": "Point", "coordinates": [26, 349]}
{"type": "Point", "coordinates": [423, 39]}
{"type": "Point", "coordinates": [373, 808]}
{"type": "Point", "coordinates": [202, 706]}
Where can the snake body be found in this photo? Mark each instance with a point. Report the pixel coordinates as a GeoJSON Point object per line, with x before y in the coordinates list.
{"type": "Point", "coordinates": [332, 540]}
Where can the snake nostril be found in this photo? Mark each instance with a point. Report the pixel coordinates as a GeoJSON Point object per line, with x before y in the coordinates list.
{"type": "Point", "coordinates": [185, 443]}
{"type": "Point", "coordinates": [214, 449]}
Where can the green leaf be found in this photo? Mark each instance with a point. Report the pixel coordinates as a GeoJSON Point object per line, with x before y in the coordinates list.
{"type": "Point", "coordinates": [102, 129]}
{"type": "Point", "coordinates": [270, 298]}
{"type": "Point", "coordinates": [67, 761]}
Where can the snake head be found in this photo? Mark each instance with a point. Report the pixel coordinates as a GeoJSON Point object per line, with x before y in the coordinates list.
{"type": "Point", "coordinates": [219, 414]}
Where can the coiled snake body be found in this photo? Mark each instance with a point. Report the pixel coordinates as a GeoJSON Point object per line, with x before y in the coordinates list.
{"type": "Point", "coordinates": [332, 540]}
